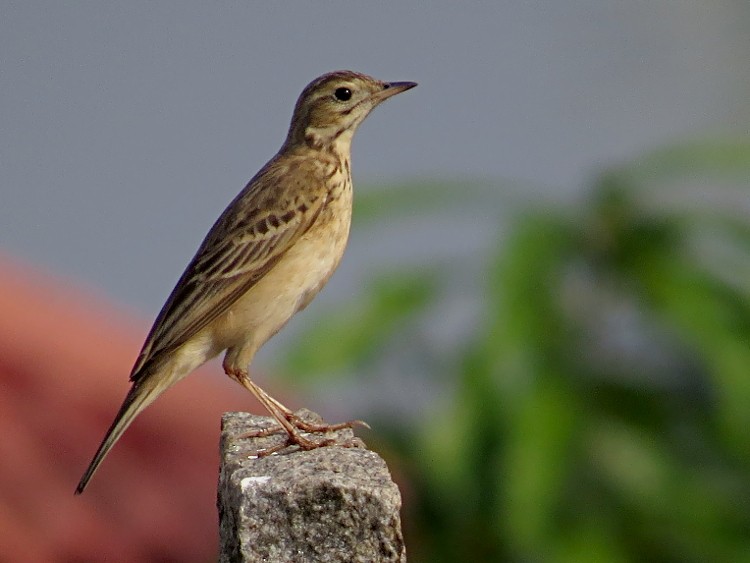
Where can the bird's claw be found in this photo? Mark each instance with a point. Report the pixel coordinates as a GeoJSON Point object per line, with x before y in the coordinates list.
{"type": "Point", "coordinates": [296, 438]}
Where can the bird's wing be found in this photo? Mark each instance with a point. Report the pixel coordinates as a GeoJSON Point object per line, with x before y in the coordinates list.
{"type": "Point", "coordinates": [243, 245]}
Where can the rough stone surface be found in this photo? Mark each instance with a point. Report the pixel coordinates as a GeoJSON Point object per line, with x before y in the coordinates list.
{"type": "Point", "coordinates": [331, 504]}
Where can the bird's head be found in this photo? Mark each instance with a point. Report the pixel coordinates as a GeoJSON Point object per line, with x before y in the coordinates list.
{"type": "Point", "coordinates": [332, 106]}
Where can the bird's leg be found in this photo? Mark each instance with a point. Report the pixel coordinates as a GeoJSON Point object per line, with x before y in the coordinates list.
{"type": "Point", "coordinates": [290, 423]}
{"type": "Point", "coordinates": [272, 407]}
{"type": "Point", "coordinates": [311, 426]}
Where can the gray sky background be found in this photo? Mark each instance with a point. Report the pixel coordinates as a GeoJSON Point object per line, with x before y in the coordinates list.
{"type": "Point", "coordinates": [126, 127]}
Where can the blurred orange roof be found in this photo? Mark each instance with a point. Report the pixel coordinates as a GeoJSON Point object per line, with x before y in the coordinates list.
{"type": "Point", "coordinates": [64, 363]}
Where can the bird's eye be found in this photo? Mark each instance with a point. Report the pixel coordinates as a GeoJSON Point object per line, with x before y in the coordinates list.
{"type": "Point", "coordinates": [343, 94]}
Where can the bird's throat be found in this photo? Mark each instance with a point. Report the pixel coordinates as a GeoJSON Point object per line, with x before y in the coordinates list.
{"type": "Point", "coordinates": [333, 139]}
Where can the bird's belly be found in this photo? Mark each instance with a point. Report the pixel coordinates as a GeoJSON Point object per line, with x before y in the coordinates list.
{"type": "Point", "coordinates": [287, 288]}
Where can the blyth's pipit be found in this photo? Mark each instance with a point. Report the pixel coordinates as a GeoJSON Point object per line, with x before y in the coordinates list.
{"type": "Point", "coordinates": [264, 259]}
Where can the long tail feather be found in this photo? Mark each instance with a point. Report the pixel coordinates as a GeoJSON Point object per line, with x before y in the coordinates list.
{"type": "Point", "coordinates": [138, 398]}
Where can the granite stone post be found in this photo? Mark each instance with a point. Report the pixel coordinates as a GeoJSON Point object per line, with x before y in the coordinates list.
{"type": "Point", "coordinates": [331, 504]}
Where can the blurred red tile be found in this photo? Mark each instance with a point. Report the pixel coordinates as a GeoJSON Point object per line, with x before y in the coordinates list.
{"type": "Point", "coordinates": [64, 363]}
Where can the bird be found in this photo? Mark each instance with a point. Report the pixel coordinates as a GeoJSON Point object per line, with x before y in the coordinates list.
{"type": "Point", "coordinates": [263, 260]}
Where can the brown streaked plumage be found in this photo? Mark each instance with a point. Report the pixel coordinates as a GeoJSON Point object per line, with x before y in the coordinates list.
{"type": "Point", "coordinates": [265, 258]}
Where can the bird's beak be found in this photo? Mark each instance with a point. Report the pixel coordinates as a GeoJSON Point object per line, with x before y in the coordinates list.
{"type": "Point", "coordinates": [391, 89]}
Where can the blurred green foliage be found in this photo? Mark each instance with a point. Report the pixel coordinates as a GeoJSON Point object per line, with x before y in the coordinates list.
{"type": "Point", "coordinates": [600, 411]}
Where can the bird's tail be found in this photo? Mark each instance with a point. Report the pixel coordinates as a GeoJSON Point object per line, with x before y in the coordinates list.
{"type": "Point", "coordinates": [141, 395]}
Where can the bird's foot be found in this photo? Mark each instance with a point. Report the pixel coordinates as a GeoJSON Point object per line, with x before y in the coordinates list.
{"type": "Point", "coordinates": [302, 425]}
{"type": "Point", "coordinates": [289, 422]}
{"type": "Point", "coordinates": [312, 427]}
{"type": "Point", "coordinates": [307, 445]}
{"type": "Point", "coordinates": [296, 426]}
